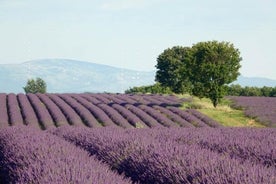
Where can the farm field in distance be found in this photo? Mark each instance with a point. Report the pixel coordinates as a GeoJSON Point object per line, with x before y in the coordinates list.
{"type": "Point", "coordinates": [262, 109]}
{"type": "Point", "coordinates": [98, 110]}
{"type": "Point", "coordinates": [119, 138]}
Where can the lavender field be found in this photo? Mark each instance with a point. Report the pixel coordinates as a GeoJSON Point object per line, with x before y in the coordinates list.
{"type": "Point", "coordinates": [120, 139]}
{"type": "Point", "coordinates": [45, 111]}
{"type": "Point", "coordinates": [262, 109]}
{"type": "Point", "coordinates": [158, 155]}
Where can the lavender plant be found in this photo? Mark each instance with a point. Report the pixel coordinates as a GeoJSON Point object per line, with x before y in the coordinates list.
{"type": "Point", "coordinates": [70, 114]}
{"type": "Point", "coordinates": [261, 108]}
{"type": "Point", "coordinates": [44, 117]}
{"type": "Point", "coordinates": [14, 111]}
{"type": "Point", "coordinates": [87, 117]}
{"type": "Point", "coordinates": [27, 111]}
{"type": "Point", "coordinates": [99, 114]}
{"type": "Point", "coordinates": [4, 118]}
{"type": "Point", "coordinates": [158, 156]}
{"type": "Point", "coordinates": [31, 156]}
{"type": "Point", "coordinates": [54, 110]}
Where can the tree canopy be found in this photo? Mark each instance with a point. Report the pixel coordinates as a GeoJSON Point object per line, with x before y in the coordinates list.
{"type": "Point", "coordinates": [37, 85]}
{"type": "Point", "coordinates": [171, 69]}
{"type": "Point", "coordinates": [204, 69]}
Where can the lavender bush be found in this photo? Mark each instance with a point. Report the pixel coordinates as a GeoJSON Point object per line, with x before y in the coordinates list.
{"type": "Point", "coordinates": [115, 116]}
{"type": "Point", "coordinates": [261, 108]}
{"type": "Point", "coordinates": [71, 115]}
{"type": "Point", "coordinates": [129, 116]}
{"type": "Point", "coordinates": [27, 111]}
{"type": "Point", "coordinates": [87, 118]}
{"type": "Point", "coordinates": [158, 116]}
{"type": "Point", "coordinates": [44, 117]}
{"type": "Point", "coordinates": [173, 116]}
{"type": "Point", "coordinates": [54, 110]}
{"type": "Point", "coordinates": [170, 156]}
{"type": "Point", "coordinates": [4, 118]}
{"type": "Point", "coordinates": [188, 117]}
{"type": "Point", "coordinates": [14, 111]}
{"type": "Point", "coordinates": [204, 118]}
{"type": "Point", "coordinates": [99, 114]}
{"type": "Point", "coordinates": [31, 156]}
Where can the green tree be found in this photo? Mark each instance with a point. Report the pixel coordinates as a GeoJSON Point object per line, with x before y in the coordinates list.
{"type": "Point", "coordinates": [151, 89]}
{"type": "Point", "coordinates": [35, 86]}
{"type": "Point", "coordinates": [212, 65]}
{"type": "Point", "coordinates": [171, 69]}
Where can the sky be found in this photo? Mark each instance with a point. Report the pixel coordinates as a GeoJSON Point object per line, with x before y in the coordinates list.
{"type": "Point", "coordinates": [132, 33]}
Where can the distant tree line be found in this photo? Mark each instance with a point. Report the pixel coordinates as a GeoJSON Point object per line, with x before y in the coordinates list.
{"type": "Point", "coordinates": [231, 90]}
{"type": "Point", "coordinates": [156, 88]}
{"type": "Point", "coordinates": [237, 90]}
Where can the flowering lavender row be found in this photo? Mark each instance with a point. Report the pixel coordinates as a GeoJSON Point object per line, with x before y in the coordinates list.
{"type": "Point", "coordinates": [158, 116]}
{"type": "Point", "coordinates": [87, 117]}
{"type": "Point", "coordinates": [14, 111]}
{"type": "Point", "coordinates": [101, 98]}
{"type": "Point", "coordinates": [96, 110]}
{"type": "Point", "coordinates": [44, 117]}
{"type": "Point", "coordinates": [28, 155]}
{"type": "Point", "coordinates": [261, 108]}
{"type": "Point", "coordinates": [113, 98]}
{"type": "Point", "coordinates": [129, 116]}
{"type": "Point", "coordinates": [204, 118]}
{"type": "Point", "coordinates": [28, 112]}
{"type": "Point", "coordinates": [4, 118]}
{"type": "Point", "coordinates": [147, 119]}
{"type": "Point", "coordinates": [115, 116]}
{"type": "Point", "coordinates": [244, 144]}
{"type": "Point", "coordinates": [150, 156]}
{"type": "Point", "coordinates": [110, 112]}
{"type": "Point", "coordinates": [188, 117]}
{"type": "Point", "coordinates": [56, 113]}
{"type": "Point", "coordinates": [99, 114]}
{"type": "Point", "coordinates": [173, 116]}
{"type": "Point", "coordinates": [126, 100]}
{"type": "Point", "coordinates": [71, 115]}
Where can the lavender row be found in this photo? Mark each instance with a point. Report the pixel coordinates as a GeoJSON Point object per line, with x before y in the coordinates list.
{"type": "Point", "coordinates": [87, 118]}
{"type": "Point", "coordinates": [129, 116]}
{"type": "Point", "coordinates": [244, 144]}
{"type": "Point", "coordinates": [115, 116]}
{"type": "Point", "coordinates": [254, 145]}
{"type": "Point", "coordinates": [71, 115]}
{"type": "Point", "coordinates": [147, 157]}
{"type": "Point", "coordinates": [44, 118]}
{"type": "Point", "coordinates": [99, 114]}
{"type": "Point", "coordinates": [173, 116]}
{"type": "Point", "coordinates": [147, 119]}
{"type": "Point", "coordinates": [14, 111]}
{"type": "Point", "coordinates": [54, 110]}
{"type": "Point", "coordinates": [4, 118]}
{"type": "Point", "coordinates": [188, 117]}
{"type": "Point", "coordinates": [28, 155]}
{"type": "Point", "coordinates": [27, 111]}
{"type": "Point", "coordinates": [158, 116]}
{"type": "Point", "coordinates": [204, 118]}
{"type": "Point", "coordinates": [261, 108]}
{"type": "Point", "coordinates": [95, 110]}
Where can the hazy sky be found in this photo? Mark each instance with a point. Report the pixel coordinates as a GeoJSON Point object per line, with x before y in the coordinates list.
{"type": "Point", "coordinates": [132, 33]}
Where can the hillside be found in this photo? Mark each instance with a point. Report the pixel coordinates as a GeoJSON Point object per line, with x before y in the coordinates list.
{"type": "Point", "coordinates": [72, 76]}
{"type": "Point", "coordinates": [64, 76]}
